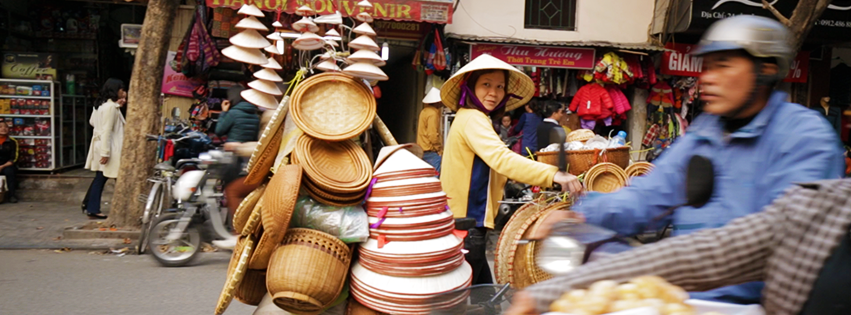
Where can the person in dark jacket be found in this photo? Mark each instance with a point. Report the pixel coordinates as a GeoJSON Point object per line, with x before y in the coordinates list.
{"type": "Point", "coordinates": [239, 120]}
{"type": "Point", "coordinates": [8, 157]}
{"type": "Point", "coordinates": [553, 111]}
{"type": "Point", "coordinates": [529, 126]}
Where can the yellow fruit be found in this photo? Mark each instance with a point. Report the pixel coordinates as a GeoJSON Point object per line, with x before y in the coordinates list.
{"type": "Point", "coordinates": [561, 306]}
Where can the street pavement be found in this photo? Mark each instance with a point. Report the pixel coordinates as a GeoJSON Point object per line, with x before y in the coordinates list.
{"type": "Point", "coordinates": [90, 282]}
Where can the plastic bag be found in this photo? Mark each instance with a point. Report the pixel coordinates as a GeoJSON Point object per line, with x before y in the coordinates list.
{"type": "Point", "coordinates": [349, 224]}
{"type": "Point", "coordinates": [598, 142]}
{"type": "Point", "coordinates": [574, 145]}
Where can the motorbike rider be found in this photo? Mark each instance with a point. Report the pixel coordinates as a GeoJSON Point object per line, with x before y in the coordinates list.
{"type": "Point", "coordinates": [759, 143]}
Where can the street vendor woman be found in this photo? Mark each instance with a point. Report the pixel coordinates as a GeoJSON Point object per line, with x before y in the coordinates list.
{"type": "Point", "coordinates": [476, 163]}
{"type": "Point", "coordinates": [759, 145]}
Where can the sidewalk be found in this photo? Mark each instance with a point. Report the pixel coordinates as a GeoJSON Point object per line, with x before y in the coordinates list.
{"type": "Point", "coordinates": [40, 225]}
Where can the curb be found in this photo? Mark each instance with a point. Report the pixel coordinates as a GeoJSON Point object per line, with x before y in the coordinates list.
{"type": "Point", "coordinates": [74, 233]}
{"type": "Point", "coordinates": [76, 246]}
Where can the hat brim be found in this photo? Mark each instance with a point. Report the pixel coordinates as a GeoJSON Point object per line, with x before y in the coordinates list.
{"type": "Point", "coordinates": [518, 82]}
{"type": "Point", "coordinates": [432, 97]}
{"type": "Point", "coordinates": [711, 47]}
{"type": "Point", "coordinates": [387, 151]}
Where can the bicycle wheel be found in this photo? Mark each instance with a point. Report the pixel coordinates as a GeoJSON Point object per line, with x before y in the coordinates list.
{"type": "Point", "coordinates": [483, 299]}
{"type": "Point", "coordinates": [153, 208]}
{"type": "Point", "coordinates": [179, 252]}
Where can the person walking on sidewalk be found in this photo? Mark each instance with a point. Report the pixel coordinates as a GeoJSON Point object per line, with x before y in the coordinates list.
{"type": "Point", "coordinates": [105, 151]}
{"type": "Point", "coordinates": [428, 129]}
{"type": "Point", "coordinates": [8, 158]}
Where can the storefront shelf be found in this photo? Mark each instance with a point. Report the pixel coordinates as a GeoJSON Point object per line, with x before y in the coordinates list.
{"type": "Point", "coordinates": [27, 97]}
{"type": "Point", "coordinates": [25, 116]}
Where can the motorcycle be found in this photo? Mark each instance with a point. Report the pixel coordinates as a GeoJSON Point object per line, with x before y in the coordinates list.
{"type": "Point", "coordinates": [176, 235]}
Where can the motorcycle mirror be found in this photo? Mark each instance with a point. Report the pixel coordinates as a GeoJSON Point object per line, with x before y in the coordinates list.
{"type": "Point", "coordinates": [700, 181]}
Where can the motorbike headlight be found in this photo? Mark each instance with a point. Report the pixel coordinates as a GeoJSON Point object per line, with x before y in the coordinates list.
{"type": "Point", "coordinates": [167, 174]}
{"type": "Point", "coordinates": [560, 254]}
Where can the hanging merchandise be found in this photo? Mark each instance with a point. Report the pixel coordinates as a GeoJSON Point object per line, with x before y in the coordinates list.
{"type": "Point", "coordinates": [612, 69]}
{"type": "Point", "coordinates": [590, 102]}
{"type": "Point", "coordinates": [661, 94]}
{"type": "Point", "coordinates": [197, 52]}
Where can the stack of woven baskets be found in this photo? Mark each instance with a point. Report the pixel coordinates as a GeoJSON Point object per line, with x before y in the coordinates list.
{"type": "Point", "coordinates": [413, 253]}
{"type": "Point", "coordinates": [580, 161]}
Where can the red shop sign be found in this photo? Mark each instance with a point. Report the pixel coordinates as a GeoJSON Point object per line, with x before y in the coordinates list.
{"type": "Point", "coordinates": [538, 56]}
{"type": "Point", "coordinates": [400, 10]}
{"type": "Point", "coordinates": [680, 62]}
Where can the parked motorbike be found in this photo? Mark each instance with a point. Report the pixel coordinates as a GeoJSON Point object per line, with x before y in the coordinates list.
{"type": "Point", "coordinates": [176, 235]}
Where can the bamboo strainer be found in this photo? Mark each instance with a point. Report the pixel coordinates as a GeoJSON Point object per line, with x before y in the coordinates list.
{"type": "Point", "coordinates": [261, 161]}
{"type": "Point", "coordinates": [308, 271]}
{"type": "Point", "coordinates": [605, 178]}
{"type": "Point", "coordinates": [337, 167]}
{"type": "Point", "coordinates": [278, 206]}
{"type": "Point", "coordinates": [580, 135]}
{"type": "Point", "coordinates": [639, 169]}
{"type": "Point", "coordinates": [236, 271]}
{"type": "Point", "coordinates": [252, 289]}
{"type": "Point", "coordinates": [524, 271]}
{"type": "Point", "coordinates": [507, 242]}
{"type": "Point", "coordinates": [246, 208]}
{"type": "Point", "coordinates": [252, 225]}
{"type": "Point", "coordinates": [333, 106]}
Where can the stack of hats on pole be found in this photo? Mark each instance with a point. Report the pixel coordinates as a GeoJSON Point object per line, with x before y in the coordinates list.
{"type": "Point", "coordinates": [413, 253]}
{"type": "Point", "coordinates": [247, 46]}
{"type": "Point", "coordinates": [364, 62]}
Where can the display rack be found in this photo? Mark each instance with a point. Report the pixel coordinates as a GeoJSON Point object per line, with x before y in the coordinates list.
{"type": "Point", "coordinates": [52, 129]}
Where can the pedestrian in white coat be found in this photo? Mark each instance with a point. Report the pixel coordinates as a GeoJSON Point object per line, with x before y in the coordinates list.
{"type": "Point", "coordinates": [105, 151]}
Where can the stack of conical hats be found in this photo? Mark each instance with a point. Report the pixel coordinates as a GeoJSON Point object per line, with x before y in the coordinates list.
{"type": "Point", "coordinates": [364, 62]}
{"type": "Point", "coordinates": [247, 46]}
{"type": "Point", "coordinates": [413, 253]}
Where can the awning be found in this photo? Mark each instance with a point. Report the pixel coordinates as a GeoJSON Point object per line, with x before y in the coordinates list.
{"type": "Point", "coordinates": [602, 44]}
{"type": "Point", "coordinates": [434, 11]}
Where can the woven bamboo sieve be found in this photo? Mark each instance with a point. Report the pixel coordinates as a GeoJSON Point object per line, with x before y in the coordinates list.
{"type": "Point", "coordinates": [525, 271]}
{"type": "Point", "coordinates": [639, 169]}
{"type": "Point", "coordinates": [580, 135]}
{"type": "Point", "coordinates": [246, 208]}
{"type": "Point", "coordinates": [252, 225]}
{"type": "Point", "coordinates": [278, 206]}
{"type": "Point", "coordinates": [308, 271]}
{"type": "Point", "coordinates": [333, 106]}
{"type": "Point", "coordinates": [605, 178]}
{"type": "Point", "coordinates": [336, 167]}
{"type": "Point", "coordinates": [252, 288]}
{"type": "Point", "coordinates": [507, 242]}
{"type": "Point", "coordinates": [266, 148]}
{"type": "Point", "coordinates": [236, 271]}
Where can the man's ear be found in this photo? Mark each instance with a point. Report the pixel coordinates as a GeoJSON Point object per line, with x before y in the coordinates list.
{"type": "Point", "coordinates": [769, 69]}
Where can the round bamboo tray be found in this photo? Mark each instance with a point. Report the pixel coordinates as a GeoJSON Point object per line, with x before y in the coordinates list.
{"type": "Point", "coordinates": [246, 208]}
{"type": "Point", "coordinates": [507, 242]}
{"type": "Point", "coordinates": [337, 167]}
{"type": "Point", "coordinates": [253, 287]}
{"type": "Point", "coordinates": [639, 169]}
{"type": "Point", "coordinates": [261, 161]}
{"type": "Point", "coordinates": [605, 178]}
{"type": "Point", "coordinates": [308, 271]}
{"type": "Point", "coordinates": [580, 135]}
{"type": "Point", "coordinates": [333, 106]}
{"type": "Point", "coordinates": [236, 271]}
{"type": "Point", "coordinates": [252, 225]}
{"type": "Point", "coordinates": [580, 161]}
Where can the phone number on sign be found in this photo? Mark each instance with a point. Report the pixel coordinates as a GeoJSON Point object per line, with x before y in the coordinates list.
{"type": "Point", "coordinates": [833, 23]}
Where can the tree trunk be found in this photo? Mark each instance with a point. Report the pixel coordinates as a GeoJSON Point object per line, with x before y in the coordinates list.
{"type": "Point", "coordinates": [143, 113]}
{"type": "Point", "coordinates": [806, 13]}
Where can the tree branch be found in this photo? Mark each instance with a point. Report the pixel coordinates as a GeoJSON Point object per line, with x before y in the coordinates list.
{"type": "Point", "coordinates": [777, 14]}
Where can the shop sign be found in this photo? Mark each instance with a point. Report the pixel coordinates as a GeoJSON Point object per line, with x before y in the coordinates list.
{"type": "Point", "coordinates": [29, 66]}
{"type": "Point", "coordinates": [834, 23]}
{"type": "Point", "coordinates": [399, 29]}
{"type": "Point", "coordinates": [400, 10]}
{"type": "Point", "coordinates": [175, 83]}
{"type": "Point", "coordinates": [680, 62]}
{"type": "Point", "coordinates": [538, 56]}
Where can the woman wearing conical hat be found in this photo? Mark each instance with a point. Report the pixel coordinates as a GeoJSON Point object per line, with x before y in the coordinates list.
{"type": "Point", "coordinates": [476, 163]}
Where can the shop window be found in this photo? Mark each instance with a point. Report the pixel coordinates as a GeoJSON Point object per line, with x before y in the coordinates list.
{"type": "Point", "coordinates": [551, 14]}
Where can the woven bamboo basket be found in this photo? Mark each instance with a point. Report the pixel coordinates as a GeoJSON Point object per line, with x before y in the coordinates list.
{"type": "Point", "coordinates": [252, 225]}
{"type": "Point", "coordinates": [246, 208]}
{"type": "Point", "coordinates": [333, 106]}
{"type": "Point", "coordinates": [506, 245]}
{"type": "Point", "coordinates": [580, 161]}
{"type": "Point", "coordinates": [639, 169]}
{"type": "Point", "coordinates": [526, 271]}
{"type": "Point", "coordinates": [580, 135]}
{"type": "Point", "coordinates": [336, 167]}
{"type": "Point", "coordinates": [605, 178]}
{"type": "Point", "coordinates": [252, 288]}
{"type": "Point", "coordinates": [236, 271]}
{"type": "Point", "coordinates": [263, 158]}
{"type": "Point", "coordinates": [308, 271]}
{"type": "Point", "coordinates": [278, 206]}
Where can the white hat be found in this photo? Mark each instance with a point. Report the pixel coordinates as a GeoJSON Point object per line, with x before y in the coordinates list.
{"type": "Point", "coordinates": [250, 9]}
{"type": "Point", "coordinates": [274, 36]}
{"type": "Point", "coordinates": [272, 50]}
{"type": "Point", "coordinates": [332, 43]}
{"type": "Point", "coordinates": [364, 17]}
{"type": "Point", "coordinates": [393, 159]}
{"type": "Point", "coordinates": [366, 71]}
{"type": "Point", "coordinates": [432, 97]}
{"type": "Point", "coordinates": [364, 4]}
{"type": "Point", "coordinates": [277, 24]}
{"type": "Point", "coordinates": [332, 32]}
{"type": "Point", "coordinates": [364, 42]}
{"type": "Point", "coordinates": [308, 41]}
{"type": "Point", "coordinates": [259, 99]}
{"type": "Point", "coordinates": [328, 65]}
{"type": "Point", "coordinates": [246, 55]}
{"type": "Point", "coordinates": [272, 64]}
{"type": "Point", "coordinates": [334, 19]}
{"type": "Point", "coordinates": [250, 22]}
{"type": "Point", "coordinates": [364, 29]}
{"type": "Point", "coordinates": [364, 55]}
{"type": "Point", "coordinates": [249, 39]}
{"type": "Point", "coordinates": [518, 82]}
{"type": "Point", "coordinates": [305, 10]}
{"type": "Point", "coordinates": [267, 87]}
{"type": "Point", "coordinates": [305, 25]}
{"type": "Point", "coordinates": [269, 75]}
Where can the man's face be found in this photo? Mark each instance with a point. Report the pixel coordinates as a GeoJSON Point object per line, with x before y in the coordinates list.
{"type": "Point", "coordinates": [727, 81]}
{"type": "Point", "coordinates": [559, 114]}
{"type": "Point", "coordinates": [4, 129]}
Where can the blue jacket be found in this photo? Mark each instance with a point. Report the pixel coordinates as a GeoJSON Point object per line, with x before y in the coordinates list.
{"type": "Point", "coordinates": [785, 143]}
{"type": "Point", "coordinates": [529, 125]}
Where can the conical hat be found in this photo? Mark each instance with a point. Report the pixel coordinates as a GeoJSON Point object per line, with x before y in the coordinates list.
{"type": "Point", "coordinates": [305, 10]}
{"type": "Point", "coordinates": [364, 17]}
{"type": "Point", "coordinates": [334, 19]}
{"type": "Point", "coordinates": [326, 56]}
{"type": "Point", "coordinates": [416, 286]}
{"type": "Point", "coordinates": [250, 22]}
{"type": "Point", "coordinates": [364, 55]}
{"type": "Point", "coordinates": [259, 99]}
{"type": "Point", "coordinates": [268, 75]}
{"type": "Point", "coordinates": [250, 9]}
{"type": "Point", "coordinates": [405, 182]}
{"type": "Point", "coordinates": [518, 82]}
{"type": "Point", "coordinates": [305, 25]}
{"type": "Point", "coordinates": [398, 160]}
{"type": "Point", "coordinates": [328, 65]}
{"type": "Point", "coordinates": [364, 29]}
{"type": "Point", "coordinates": [308, 41]}
{"type": "Point", "coordinates": [274, 36]}
{"type": "Point", "coordinates": [272, 50]}
{"type": "Point", "coordinates": [277, 24]}
{"type": "Point", "coordinates": [364, 4]}
{"type": "Point", "coordinates": [249, 39]}
{"type": "Point", "coordinates": [273, 64]}
{"type": "Point", "coordinates": [387, 151]}
{"type": "Point", "coordinates": [432, 97]}
{"type": "Point", "coordinates": [366, 71]}
{"type": "Point", "coordinates": [267, 87]}
{"type": "Point", "coordinates": [332, 32]}
{"type": "Point", "coordinates": [364, 42]}
{"type": "Point", "coordinates": [246, 55]}
{"type": "Point", "coordinates": [332, 43]}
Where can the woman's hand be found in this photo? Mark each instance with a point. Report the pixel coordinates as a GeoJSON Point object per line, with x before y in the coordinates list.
{"type": "Point", "coordinates": [568, 182]}
{"type": "Point", "coordinates": [522, 304]}
{"type": "Point", "coordinates": [104, 160]}
{"type": "Point", "coordinates": [225, 105]}
{"type": "Point", "coordinates": [122, 101]}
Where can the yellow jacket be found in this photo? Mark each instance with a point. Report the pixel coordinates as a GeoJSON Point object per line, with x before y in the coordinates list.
{"type": "Point", "coordinates": [471, 135]}
{"type": "Point", "coordinates": [428, 129]}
